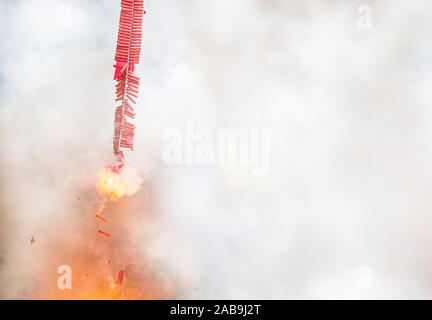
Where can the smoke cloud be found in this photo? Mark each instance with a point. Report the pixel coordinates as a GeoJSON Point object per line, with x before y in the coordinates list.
{"type": "Point", "coordinates": [344, 211]}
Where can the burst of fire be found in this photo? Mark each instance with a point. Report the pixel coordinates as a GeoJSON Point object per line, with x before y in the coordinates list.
{"type": "Point", "coordinates": [111, 183]}
{"type": "Point", "coordinates": [116, 184]}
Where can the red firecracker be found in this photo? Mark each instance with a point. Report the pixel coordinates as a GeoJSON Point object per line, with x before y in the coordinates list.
{"type": "Point", "coordinates": [127, 55]}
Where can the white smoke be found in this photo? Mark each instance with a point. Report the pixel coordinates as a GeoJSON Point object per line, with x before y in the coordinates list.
{"type": "Point", "coordinates": [345, 210]}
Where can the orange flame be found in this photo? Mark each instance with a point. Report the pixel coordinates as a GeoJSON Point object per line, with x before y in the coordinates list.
{"type": "Point", "coordinates": [111, 183]}
{"type": "Point", "coordinates": [117, 184]}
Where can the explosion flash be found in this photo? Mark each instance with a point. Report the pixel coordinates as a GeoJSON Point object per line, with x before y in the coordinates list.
{"type": "Point", "coordinates": [111, 184]}
{"type": "Point", "coordinates": [117, 184]}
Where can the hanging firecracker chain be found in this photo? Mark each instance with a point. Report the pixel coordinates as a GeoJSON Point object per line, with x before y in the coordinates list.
{"type": "Point", "coordinates": [127, 56]}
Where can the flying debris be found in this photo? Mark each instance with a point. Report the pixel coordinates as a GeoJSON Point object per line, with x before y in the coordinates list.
{"type": "Point", "coordinates": [104, 234]}
{"type": "Point", "coordinates": [101, 218]}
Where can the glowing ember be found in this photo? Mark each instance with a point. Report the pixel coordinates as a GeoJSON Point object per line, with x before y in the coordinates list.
{"type": "Point", "coordinates": [110, 183]}
{"type": "Point", "coordinates": [120, 277]}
